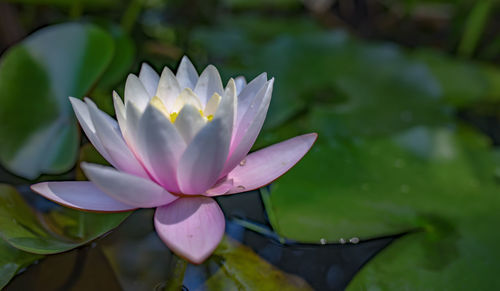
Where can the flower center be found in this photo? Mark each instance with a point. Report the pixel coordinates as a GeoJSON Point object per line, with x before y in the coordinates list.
{"type": "Point", "coordinates": [187, 97]}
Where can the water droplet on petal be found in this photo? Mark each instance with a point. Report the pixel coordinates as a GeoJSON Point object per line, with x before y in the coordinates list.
{"type": "Point", "coordinates": [242, 163]}
{"type": "Point", "coordinates": [241, 187]}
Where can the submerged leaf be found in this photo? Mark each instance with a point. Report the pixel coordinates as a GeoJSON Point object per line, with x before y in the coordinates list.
{"type": "Point", "coordinates": [59, 230]}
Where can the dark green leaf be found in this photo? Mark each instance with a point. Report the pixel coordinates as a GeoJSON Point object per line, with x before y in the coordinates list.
{"type": "Point", "coordinates": [37, 128]}
{"type": "Point", "coordinates": [12, 260]}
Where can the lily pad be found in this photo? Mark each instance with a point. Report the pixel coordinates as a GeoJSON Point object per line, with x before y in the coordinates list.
{"type": "Point", "coordinates": [439, 184]}
{"type": "Point", "coordinates": [38, 131]}
{"type": "Point", "coordinates": [58, 230]}
{"type": "Point", "coordinates": [11, 261]}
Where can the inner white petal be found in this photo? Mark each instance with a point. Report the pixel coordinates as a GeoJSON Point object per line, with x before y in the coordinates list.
{"type": "Point", "coordinates": [187, 96]}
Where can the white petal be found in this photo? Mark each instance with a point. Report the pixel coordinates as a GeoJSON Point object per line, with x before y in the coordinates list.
{"type": "Point", "coordinates": [108, 132]}
{"type": "Point", "coordinates": [129, 189]}
{"type": "Point", "coordinates": [189, 122]}
{"type": "Point", "coordinates": [249, 93]}
{"type": "Point", "coordinates": [160, 147]}
{"type": "Point", "coordinates": [249, 127]}
{"type": "Point", "coordinates": [208, 84]}
{"type": "Point", "coordinates": [120, 113]}
{"type": "Point", "coordinates": [136, 93]}
{"type": "Point", "coordinates": [241, 82]}
{"type": "Point", "coordinates": [187, 96]}
{"type": "Point", "coordinates": [186, 74]}
{"type": "Point", "coordinates": [204, 158]}
{"type": "Point", "coordinates": [230, 93]}
{"type": "Point", "coordinates": [149, 78]}
{"type": "Point", "coordinates": [83, 116]}
{"type": "Point", "coordinates": [133, 115]}
{"type": "Point", "coordinates": [212, 105]}
{"type": "Point", "coordinates": [168, 88]}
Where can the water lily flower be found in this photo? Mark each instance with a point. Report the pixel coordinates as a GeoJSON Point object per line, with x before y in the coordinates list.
{"type": "Point", "coordinates": [178, 141]}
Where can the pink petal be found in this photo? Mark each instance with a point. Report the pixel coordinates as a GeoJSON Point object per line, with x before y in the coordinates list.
{"type": "Point", "coordinates": [80, 195]}
{"type": "Point", "coordinates": [191, 227]}
{"type": "Point", "coordinates": [220, 188]}
{"type": "Point", "coordinates": [129, 189]}
{"type": "Point", "coordinates": [264, 166]}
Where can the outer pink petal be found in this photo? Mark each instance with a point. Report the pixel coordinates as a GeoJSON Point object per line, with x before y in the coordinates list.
{"type": "Point", "coordinates": [129, 189]}
{"type": "Point", "coordinates": [191, 227]}
{"type": "Point", "coordinates": [264, 166]}
{"type": "Point", "coordinates": [80, 195]}
{"type": "Point", "coordinates": [220, 188]}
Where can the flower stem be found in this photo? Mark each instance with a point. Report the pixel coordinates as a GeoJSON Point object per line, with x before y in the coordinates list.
{"type": "Point", "coordinates": [176, 274]}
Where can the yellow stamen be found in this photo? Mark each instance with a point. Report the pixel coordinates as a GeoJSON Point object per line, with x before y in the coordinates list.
{"type": "Point", "coordinates": [210, 117]}
{"type": "Point", "coordinates": [173, 116]}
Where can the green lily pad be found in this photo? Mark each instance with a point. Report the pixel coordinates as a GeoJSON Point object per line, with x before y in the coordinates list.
{"type": "Point", "coordinates": [11, 261]}
{"type": "Point", "coordinates": [439, 183]}
{"type": "Point", "coordinates": [38, 131]}
{"type": "Point", "coordinates": [462, 81]}
{"type": "Point", "coordinates": [56, 231]}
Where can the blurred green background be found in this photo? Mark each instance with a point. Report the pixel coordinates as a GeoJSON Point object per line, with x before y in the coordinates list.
{"type": "Point", "coordinates": [405, 96]}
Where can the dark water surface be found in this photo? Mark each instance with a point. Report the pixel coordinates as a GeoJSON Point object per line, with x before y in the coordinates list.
{"type": "Point", "coordinates": [133, 258]}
